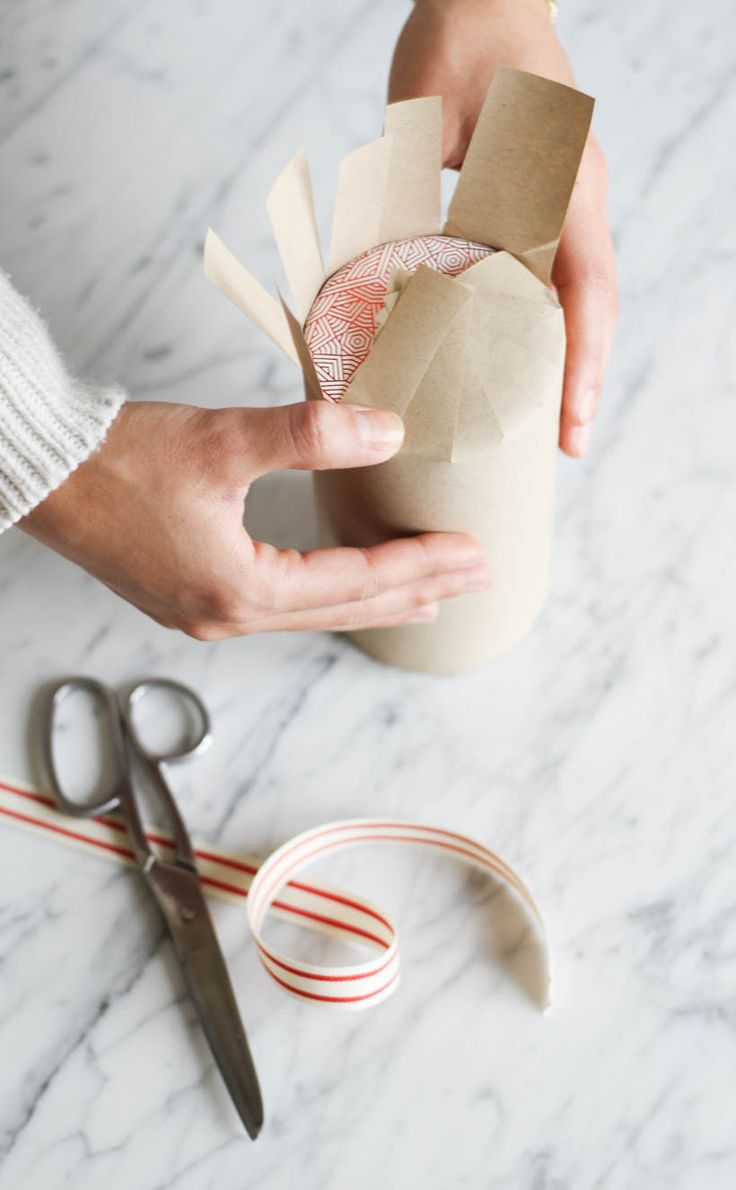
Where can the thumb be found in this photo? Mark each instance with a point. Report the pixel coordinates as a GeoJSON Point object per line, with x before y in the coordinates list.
{"type": "Point", "coordinates": [318, 435]}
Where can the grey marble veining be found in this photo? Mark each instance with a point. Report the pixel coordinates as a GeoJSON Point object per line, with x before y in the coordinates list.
{"type": "Point", "coordinates": [599, 756]}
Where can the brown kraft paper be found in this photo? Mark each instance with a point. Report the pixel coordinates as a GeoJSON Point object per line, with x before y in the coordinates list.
{"type": "Point", "coordinates": [472, 363]}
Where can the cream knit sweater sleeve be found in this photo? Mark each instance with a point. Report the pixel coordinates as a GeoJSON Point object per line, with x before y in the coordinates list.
{"type": "Point", "coordinates": [49, 422]}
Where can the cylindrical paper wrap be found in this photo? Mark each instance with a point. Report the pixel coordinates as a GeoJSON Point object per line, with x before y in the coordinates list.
{"type": "Point", "coordinates": [486, 469]}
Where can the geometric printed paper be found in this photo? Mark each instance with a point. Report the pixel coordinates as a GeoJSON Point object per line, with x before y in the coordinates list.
{"type": "Point", "coordinates": [342, 322]}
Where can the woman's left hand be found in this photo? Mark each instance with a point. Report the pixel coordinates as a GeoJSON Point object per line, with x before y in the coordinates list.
{"type": "Point", "coordinates": [451, 48]}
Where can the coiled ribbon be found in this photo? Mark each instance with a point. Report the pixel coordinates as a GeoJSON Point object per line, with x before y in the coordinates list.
{"type": "Point", "coordinates": [272, 886]}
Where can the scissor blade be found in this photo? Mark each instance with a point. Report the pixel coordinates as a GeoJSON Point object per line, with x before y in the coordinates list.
{"type": "Point", "coordinates": [212, 993]}
{"type": "Point", "coordinates": [179, 894]}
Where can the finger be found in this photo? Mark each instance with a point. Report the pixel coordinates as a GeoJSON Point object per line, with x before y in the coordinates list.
{"type": "Point", "coordinates": [419, 615]}
{"type": "Point", "coordinates": [282, 581]}
{"type": "Point", "coordinates": [399, 604]}
{"type": "Point", "coordinates": [423, 614]}
{"type": "Point", "coordinates": [319, 622]}
{"type": "Point", "coordinates": [314, 436]}
{"type": "Point", "coordinates": [585, 277]}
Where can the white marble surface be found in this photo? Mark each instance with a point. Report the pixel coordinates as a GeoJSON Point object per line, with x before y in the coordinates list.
{"type": "Point", "coordinates": [599, 756]}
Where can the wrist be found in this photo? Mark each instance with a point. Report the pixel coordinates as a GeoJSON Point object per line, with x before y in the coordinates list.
{"type": "Point", "coordinates": [451, 47]}
{"type": "Point", "coordinates": [67, 510]}
{"type": "Point", "coordinates": [483, 9]}
{"type": "Point", "coordinates": [517, 33]}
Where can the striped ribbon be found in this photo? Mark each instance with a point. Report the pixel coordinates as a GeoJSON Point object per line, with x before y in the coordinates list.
{"type": "Point", "coordinates": [271, 886]}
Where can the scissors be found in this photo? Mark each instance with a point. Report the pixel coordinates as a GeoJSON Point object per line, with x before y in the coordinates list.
{"type": "Point", "coordinates": [175, 884]}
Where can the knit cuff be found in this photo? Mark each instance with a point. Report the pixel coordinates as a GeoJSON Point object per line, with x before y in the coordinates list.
{"type": "Point", "coordinates": [49, 423]}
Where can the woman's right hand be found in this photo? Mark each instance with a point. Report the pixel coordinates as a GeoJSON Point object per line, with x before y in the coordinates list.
{"type": "Point", "coordinates": [156, 513]}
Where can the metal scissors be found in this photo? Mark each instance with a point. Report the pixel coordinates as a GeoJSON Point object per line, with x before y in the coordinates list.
{"type": "Point", "coordinates": [175, 884]}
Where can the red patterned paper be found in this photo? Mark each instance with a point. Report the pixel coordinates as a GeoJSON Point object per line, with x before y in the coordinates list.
{"type": "Point", "coordinates": [342, 322]}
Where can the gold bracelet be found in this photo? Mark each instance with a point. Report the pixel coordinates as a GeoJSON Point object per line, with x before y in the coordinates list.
{"type": "Point", "coordinates": [552, 5]}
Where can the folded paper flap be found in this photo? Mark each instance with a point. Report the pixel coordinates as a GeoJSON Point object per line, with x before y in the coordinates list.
{"type": "Point", "coordinates": [541, 259]}
{"type": "Point", "coordinates": [401, 354]}
{"type": "Point", "coordinates": [361, 190]}
{"type": "Point", "coordinates": [396, 282]}
{"type": "Point", "coordinates": [291, 210]}
{"type": "Point", "coordinates": [503, 273]}
{"type": "Point", "coordinates": [538, 329]}
{"type": "Point", "coordinates": [520, 167]}
{"type": "Point", "coordinates": [431, 418]}
{"type": "Point", "coordinates": [382, 316]}
{"type": "Point", "coordinates": [514, 305]}
{"type": "Point", "coordinates": [514, 391]}
{"type": "Point", "coordinates": [465, 374]}
{"type": "Point", "coordinates": [411, 203]}
{"type": "Point", "coordinates": [389, 189]}
{"type": "Point", "coordinates": [226, 272]}
{"type": "Point", "coordinates": [478, 424]}
{"type": "Point", "coordinates": [519, 375]}
{"type": "Point", "coordinates": [303, 354]}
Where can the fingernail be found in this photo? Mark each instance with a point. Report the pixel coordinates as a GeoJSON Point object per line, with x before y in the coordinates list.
{"type": "Point", "coordinates": [430, 611]}
{"type": "Point", "coordinates": [587, 406]}
{"type": "Point", "coordinates": [379, 428]}
{"type": "Point", "coordinates": [580, 439]}
{"type": "Point", "coordinates": [460, 556]}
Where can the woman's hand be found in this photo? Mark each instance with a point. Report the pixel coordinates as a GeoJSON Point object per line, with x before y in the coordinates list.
{"type": "Point", "coordinates": [156, 513]}
{"type": "Point", "coordinates": [451, 48]}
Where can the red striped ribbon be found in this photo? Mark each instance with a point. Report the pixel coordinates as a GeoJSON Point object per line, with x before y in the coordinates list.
{"type": "Point", "coordinates": [271, 885]}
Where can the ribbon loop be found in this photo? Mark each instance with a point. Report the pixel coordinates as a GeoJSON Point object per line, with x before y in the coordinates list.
{"type": "Point", "coordinates": [272, 885]}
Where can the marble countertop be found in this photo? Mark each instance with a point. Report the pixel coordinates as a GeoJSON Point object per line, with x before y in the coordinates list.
{"type": "Point", "coordinates": [599, 756]}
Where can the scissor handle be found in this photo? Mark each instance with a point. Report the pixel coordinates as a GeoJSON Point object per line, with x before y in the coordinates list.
{"type": "Point", "coordinates": [106, 697]}
{"type": "Point", "coordinates": [203, 727]}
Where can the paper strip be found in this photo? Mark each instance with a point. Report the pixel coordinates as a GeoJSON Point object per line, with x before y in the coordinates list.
{"type": "Point", "coordinates": [361, 188]}
{"type": "Point", "coordinates": [226, 272]}
{"type": "Point", "coordinates": [514, 318]}
{"type": "Point", "coordinates": [520, 167]}
{"type": "Point", "coordinates": [430, 421]}
{"type": "Point", "coordinates": [403, 351]}
{"type": "Point", "coordinates": [271, 885]}
{"type": "Point", "coordinates": [291, 210]}
{"type": "Point", "coordinates": [311, 379]}
{"type": "Point", "coordinates": [501, 273]}
{"type": "Point", "coordinates": [411, 204]}
{"type": "Point", "coordinates": [478, 423]}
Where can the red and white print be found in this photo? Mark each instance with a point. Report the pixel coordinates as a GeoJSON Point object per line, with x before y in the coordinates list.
{"type": "Point", "coordinates": [342, 323]}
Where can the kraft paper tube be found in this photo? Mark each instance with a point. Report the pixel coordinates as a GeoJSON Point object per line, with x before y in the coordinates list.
{"type": "Point", "coordinates": [479, 452]}
{"type": "Point", "coordinates": [454, 328]}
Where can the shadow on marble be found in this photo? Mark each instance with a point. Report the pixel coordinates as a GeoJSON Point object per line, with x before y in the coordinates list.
{"type": "Point", "coordinates": [280, 509]}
